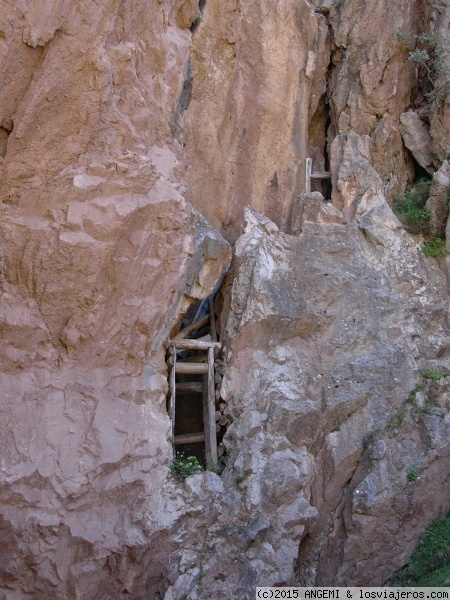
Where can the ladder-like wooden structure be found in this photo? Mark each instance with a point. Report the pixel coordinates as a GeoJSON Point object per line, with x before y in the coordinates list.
{"type": "Point", "coordinates": [198, 365]}
{"type": "Point", "coordinates": [314, 175]}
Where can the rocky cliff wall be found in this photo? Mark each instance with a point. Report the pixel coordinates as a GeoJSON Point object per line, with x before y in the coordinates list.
{"type": "Point", "coordinates": [132, 136]}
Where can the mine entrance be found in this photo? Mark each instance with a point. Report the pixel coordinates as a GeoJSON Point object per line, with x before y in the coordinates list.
{"type": "Point", "coordinates": [192, 394]}
{"type": "Point", "coordinates": [324, 176]}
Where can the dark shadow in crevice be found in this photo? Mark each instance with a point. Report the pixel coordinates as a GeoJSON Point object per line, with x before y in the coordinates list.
{"type": "Point", "coordinates": [326, 183]}
{"type": "Point", "coordinates": [177, 120]}
{"type": "Point", "coordinates": [193, 28]}
{"type": "Point", "coordinates": [4, 135]}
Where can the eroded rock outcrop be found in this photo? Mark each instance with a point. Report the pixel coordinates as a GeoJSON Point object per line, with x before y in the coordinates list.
{"type": "Point", "coordinates": [132, 135]}
{"type": "Point", "coordinates": [322, 362]}
{"type": "Point", "coordinates": [100, 255]}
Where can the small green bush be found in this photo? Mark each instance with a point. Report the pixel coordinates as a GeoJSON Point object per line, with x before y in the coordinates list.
{"type": "Point", "coordinates": [412, 475]}
{"type": "Point", "coordinates": [429, 53]}
{"type": "Point", "coordinates": [435, 248]}
{"type": "Point", "coordinates": [426, 409]}
{"type": "Point", "coordinates": [184, 467]}
{"type": "Point", "coordinates": [411, 399]}
{"type": "Point", "coordinates": [410, 208]}
{"type": "Point", "coordinates": [431, 556]}
{"type": "Point", "coordinates": [396, 420]}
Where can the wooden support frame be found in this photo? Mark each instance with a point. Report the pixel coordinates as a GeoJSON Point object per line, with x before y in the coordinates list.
{"type": "Point", "coordinates": [186, 366]}
{"type": "Point", "coordinates": [314, 175]}
{"type": "Point", "coordinates": [189, 387]}
{"type": "Point", "coordinates": [189, 438]}
{"type": "Point", "coordinates": [192, 368]}
{"type": "Point", "coordinates": [194, 344]}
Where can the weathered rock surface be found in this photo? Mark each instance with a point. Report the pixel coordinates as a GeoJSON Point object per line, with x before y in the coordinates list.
{"type": "Point", "coordinates": [258, 71]}
{"type": "Point", "coordinates": [438, 198]}
{"type": "Point", "coordinates": [100, 254]}
{"type": "Point", "coordinates": [371, 82]}
{"type": "Point", "coordinates": [126, 128]}
{"type": "Point", "coordinates": [417, 139]}
{"type": "Point", "coordinates": [323, 357]}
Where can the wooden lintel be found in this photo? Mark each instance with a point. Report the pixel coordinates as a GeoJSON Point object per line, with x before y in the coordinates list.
{"type": "Point", "coordinates": [189, 438]}
{"type": "Point", "coordinates": [192, 368]}
{"type": "Point", "coordinates": [193, 344]}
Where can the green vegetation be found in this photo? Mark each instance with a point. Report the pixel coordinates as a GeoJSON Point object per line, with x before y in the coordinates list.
{"type": "Point", "coordinates": [429, 565]}
{"type": "Point", "coordinates": [396, 420]}
{"type": "Point", "coordinates": [239, 478]}
{"type": "Point", "coordinates": [412, 475]}
{"type": "Point", "coordinates": [412, 396]}
{"type": "Point", "coordinates": [426, 408]}
{"type": "Point", "coordinates": [434, 375]}
{"type": "Point", "coordinates": [372, 437]}
{"type": "Point", "coordinates": [435, 248]}
{"type": "Point", "coordinates": [415, 218]}
{"type": "Point", "coordinates": [184, 467]}
{"type": "Point", "coordinates": [429, 53]}
{"type": "Point", "coordinates": [410, 208]}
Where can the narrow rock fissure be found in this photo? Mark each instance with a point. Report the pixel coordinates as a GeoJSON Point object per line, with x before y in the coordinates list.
{"type": "Point", "coordinates": [326, 183]}
{"type": "Point", "coordinates": [319, 178]}
{"type": "Point", "coordinates": [4, 135]}
{"type": "Point", "coordinates": [177, 120]}
{"type": "Point", "coordinates": [193, 28]}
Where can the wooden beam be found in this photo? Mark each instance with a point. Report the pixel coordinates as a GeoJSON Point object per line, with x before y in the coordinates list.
{"type": "Point", "coordinates": [193, 344]}
{"type": "Point", "coordinates": [193, 327]}
{"type": "Point", "coordinates": [308, 174]}
{"type": "Point", "coordinates": [189, 438]}
{"type": "Point", "coordinates": [209, 414]}
{"type": "Point", "coordinates": [193, 368]}
{"type": "Point", "coordinates": [321, 175]}
{"type": "Point", "coordinates": [193, 359]}
{"type": "Point", "coordinates": [189, 387]}
{"type": "Point", "coordinates": [172, 387]}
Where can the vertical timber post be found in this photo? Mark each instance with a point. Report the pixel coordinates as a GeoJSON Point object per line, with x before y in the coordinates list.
{"type": "Point", "coordinates": [172, 388]}
{"type": "Point", "coordinates": [209, 415]}
{"type": "Point", "coordinates": [308, 175]}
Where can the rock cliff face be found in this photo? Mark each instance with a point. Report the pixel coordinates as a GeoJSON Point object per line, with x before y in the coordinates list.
{"type": "Point", "coordinates": [133, 134]}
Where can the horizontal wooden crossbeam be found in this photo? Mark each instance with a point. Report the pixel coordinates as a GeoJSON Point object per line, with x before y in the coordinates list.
{"type": "Point", "coordinates": [321, 175]}
{"type": "Point", "coordinates": [189, 438]}
{"type": "Point", "coordinates": [189, 387]}
{"type": "Point", "coordinates": [193, 344]}
{"type": "Point", "coordinates": [192, 368]}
